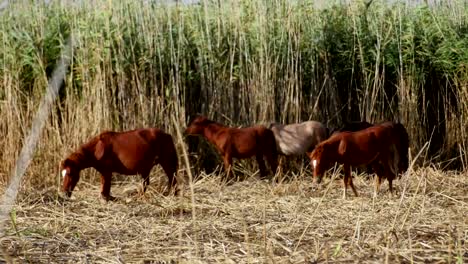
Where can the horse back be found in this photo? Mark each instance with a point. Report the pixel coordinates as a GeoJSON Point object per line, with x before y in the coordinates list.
{"type": "Point", "coordinates": [360, 147]}
{"type": "Point", "coordinates": [131, 151]}
{"type": "Point", "coordinates": [246, 141]}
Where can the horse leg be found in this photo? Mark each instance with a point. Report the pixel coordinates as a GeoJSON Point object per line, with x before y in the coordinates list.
{"type": "Point", "coordinates": [349, 179]}
{"type": "Point", "coordinates": [261, 165]}
{"type": "Point", "coordinates": [390, 176]}
{"type": "Point", "coordinates": [273, 162]}
{"type": "Point", "coordinates": [170, 170]}
{"type": "Point", "coordinates": [378, 178]}
{"type": "Point", "coordinates": [350, 182]}
{"type": "Point", "coordinates": [390, 185]}
{"type": "Point", "coordinates": [378, 182]}
{"type": "Point", "coordinates": [106, 179]}
{"type": "Point", "coordinates": [227, 165]}
{"type": "Point", "coordinates": [146, 181]}
{"type": "Point", "coordinates": [347, 174]}
{"type": "Point", "coordinates": [280, 165]}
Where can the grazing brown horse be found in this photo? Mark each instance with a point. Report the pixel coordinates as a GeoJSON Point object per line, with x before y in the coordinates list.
{"type": "Point", "coordinates": [298, 139]}
{"type": "Point", "coordinates": [239, 143]}
{"type": "Point", "coordinates": [374, 145]}
{"type": "Point", "coordinates": [129, 153]}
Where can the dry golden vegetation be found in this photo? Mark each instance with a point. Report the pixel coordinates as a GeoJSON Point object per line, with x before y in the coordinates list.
{"type": "Point", "coordinates": [250, 221]}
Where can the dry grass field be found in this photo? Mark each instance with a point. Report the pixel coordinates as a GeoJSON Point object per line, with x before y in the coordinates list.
{"type": "Point", "coordinates": [249, 221]}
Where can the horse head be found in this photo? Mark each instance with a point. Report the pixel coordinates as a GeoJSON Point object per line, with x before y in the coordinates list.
{"type": "Point", "coordinates": [319, 162]}
{"type": "Point", "coordinates": [197, 125]}
{"type": "Point", "coordinates": [70, 175]}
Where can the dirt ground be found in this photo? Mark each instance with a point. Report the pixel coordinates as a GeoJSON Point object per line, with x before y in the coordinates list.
{"type": "Point", "coordinates": [250, 221]}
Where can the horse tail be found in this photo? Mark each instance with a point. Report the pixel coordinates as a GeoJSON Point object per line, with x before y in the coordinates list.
{"type": "Point", "coordinates": [270, 148]}
{"type": "Point", "coordinates": [171, 161]}
{"type": "Point", "coordinates": [404, 146]}
{"type": "Point", "coordinates": [173, 152]}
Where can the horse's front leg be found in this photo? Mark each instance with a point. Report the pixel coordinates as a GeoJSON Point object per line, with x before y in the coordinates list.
{"type": "Point", "coordinates": [169, 166]}
{"type": "Point", "coordinates": [349, 180]}
{"type": "Point", "coordinates": [106, 180]}
{"type": "Point", "coordinates": [345, 179]}
{"type": "Point", "coordinates": [227, 165]}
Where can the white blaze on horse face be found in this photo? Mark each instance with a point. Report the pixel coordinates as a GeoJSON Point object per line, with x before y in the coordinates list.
{"type": "Point", "coordinates": [64, 173]}
{"type": "Point", "coordinates": [314, 163]}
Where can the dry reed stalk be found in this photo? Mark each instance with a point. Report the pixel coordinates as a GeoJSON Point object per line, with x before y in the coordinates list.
{"type": "Point", "coordinates": [248, 221]}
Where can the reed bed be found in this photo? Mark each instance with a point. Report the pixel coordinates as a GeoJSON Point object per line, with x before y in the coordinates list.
{"type": "Point", "coordinates": [250, 221]}
{"type": "Point", "coordinates": [139, 63]}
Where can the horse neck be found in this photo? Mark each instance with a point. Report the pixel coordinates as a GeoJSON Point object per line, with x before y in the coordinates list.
{"type": "Point", "coordinates": [212, 129]}
{"type": "Point", "coordinates": [84, 156]}
{"type": "Point", "coordinates": [330, 151]}
{"type": "Point", "coordinates": [80, 160]}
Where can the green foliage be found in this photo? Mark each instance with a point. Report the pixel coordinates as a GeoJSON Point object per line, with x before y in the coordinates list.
{"type": "Point", "coordinates": [249, 61]}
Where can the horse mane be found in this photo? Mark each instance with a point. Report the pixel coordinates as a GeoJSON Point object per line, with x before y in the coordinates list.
{"type": "Point", "coordinates": [404, 145]}
{"type": "Point", "coordinates": [74, 159]}
{"type": "Point", "coordinates": [81, 155]}
{"type": "Point", "coordinates": [319, 150]}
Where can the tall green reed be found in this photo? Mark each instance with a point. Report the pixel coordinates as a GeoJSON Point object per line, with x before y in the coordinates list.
{"type": "Point", "coordinates": [239, 62]}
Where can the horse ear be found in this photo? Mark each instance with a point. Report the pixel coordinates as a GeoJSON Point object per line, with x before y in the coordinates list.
{"type": "Point", "coordinates": [342, 147]}
{"type": "Point", "coordinates": [99, 150]}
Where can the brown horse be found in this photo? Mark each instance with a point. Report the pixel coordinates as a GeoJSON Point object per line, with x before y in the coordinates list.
{"type": "Point", "coordinates": [239, 143]}
{"type": "Point", "coordinates": [129, 153]}
{"type": "Point", "coordinates": [298, 139]}
{"type": "Point", "coordinates": [375, 145]}
{"type": "Point", "coordinates": [399, 130]}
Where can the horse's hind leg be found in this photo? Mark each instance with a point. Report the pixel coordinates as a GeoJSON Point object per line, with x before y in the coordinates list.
{"type": "Point", "coordinates": [378, 182]}
{"type": "Point", "coordinates": [170, 170]}
{"type": "Point", "coordinates": [390, 185]}
{"type": "Point", "coordinates": [390, 176]}
{"type": "Point", "coordinates": [273, 162]}
{"type": "Point", "coordinates": [378, 178]}
{"type": "Point", "coordinates": [261, 165]}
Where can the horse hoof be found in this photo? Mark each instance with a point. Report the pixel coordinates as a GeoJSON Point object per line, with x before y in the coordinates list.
{"type": "Point", "coordinates": [64, 196]}
{"type": "Point", "coordinates": [108, 198]}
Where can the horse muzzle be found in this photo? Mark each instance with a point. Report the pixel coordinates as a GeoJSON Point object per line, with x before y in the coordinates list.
{"type": "Point", "coordinates": [66, 194]}
{"type": "Point", "coordinates": [317, 180]}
